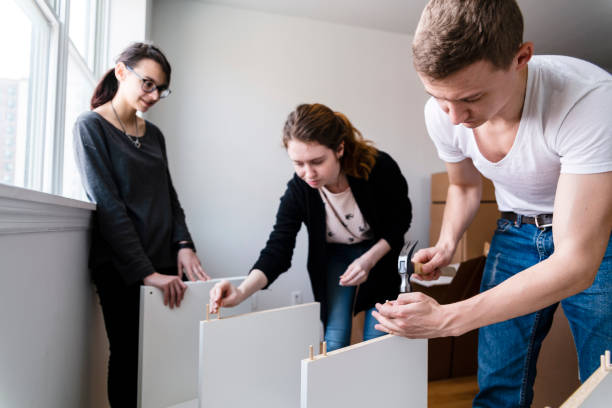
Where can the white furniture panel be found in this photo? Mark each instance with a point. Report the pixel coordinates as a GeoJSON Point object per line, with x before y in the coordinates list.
{"type": "Point", "coordinates": [388, 371]}
{"type": "Point", "coordinates": [168, 353]}
{"type": "Point", "coordinates": [253, 360]}
{"type": "Point", "coordinates": [596, 391]}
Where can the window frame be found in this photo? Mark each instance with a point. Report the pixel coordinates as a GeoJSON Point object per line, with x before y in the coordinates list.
{"type": "Point", "coordinates": [47, 91]}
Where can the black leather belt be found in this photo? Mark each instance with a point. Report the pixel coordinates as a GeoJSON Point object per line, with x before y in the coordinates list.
{"type": "Point", "coordinates": [540, 221]}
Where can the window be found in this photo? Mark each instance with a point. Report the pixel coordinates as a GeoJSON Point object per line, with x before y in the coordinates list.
{"type": "Point", "coordinates": [80, 86]}
{"type": "Point", "coordinates": [82, 29]}
{"type": "Point", "coordinates": [48, 82]}
{"type": "Point", "coordinates": [23, 31]}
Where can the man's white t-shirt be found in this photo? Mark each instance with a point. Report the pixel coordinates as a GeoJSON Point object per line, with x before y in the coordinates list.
{"type": "Point", "coordinates": [566, 127]}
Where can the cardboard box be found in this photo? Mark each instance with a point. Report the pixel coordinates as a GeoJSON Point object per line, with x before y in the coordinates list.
{"type": "Point", "coordinates": [455, 356]}
{"type": "Point", "coordinates": [439, 187]}
{"type": "Point", "coordinates": [472, 242]}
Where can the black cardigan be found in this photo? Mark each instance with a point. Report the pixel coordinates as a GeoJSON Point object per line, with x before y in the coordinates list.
{"type": "Point", "coordinates": [383, 201]}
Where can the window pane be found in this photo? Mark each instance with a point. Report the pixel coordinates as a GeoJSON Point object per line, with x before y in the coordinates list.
{"type": "Point", "coordinates": [15, 78]}
{"type": "Point", "coordinates": [78, 93]}
{"type": "Point", "coordinates": [82, 28]}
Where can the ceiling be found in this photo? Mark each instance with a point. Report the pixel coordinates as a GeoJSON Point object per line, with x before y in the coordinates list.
{"type": "Point", "coordinates": [581, 29]}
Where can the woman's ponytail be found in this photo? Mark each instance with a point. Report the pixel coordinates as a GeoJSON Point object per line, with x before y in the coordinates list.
{"type": "Point", "coordinates": [105, 90]}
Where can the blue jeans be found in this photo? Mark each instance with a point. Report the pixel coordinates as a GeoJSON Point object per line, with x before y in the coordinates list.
{"type": "Point", "coordinates": [340, 299]}
{"type": "Point", "coordinates": [508, 351]}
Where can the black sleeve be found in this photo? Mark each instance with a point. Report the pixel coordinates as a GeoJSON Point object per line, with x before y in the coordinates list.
{"type": "Point", "coordinates": [391, 190]}
{"type": "Point", "coordinates": [275, 258]}
{"type": "Point", "coordinates": [114, 224]}
{"type": "Point", "coordinates": [180, 232]}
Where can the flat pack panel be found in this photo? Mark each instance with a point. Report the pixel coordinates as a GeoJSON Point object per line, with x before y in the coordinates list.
{"type": "Point", "coordinates": [253, 360]}
{"type": "Point", "coordinates": [389, 371]}
{"type": "Point", "coordinates": [601, 396]}
{"type": "Point", "coordinates": [168, 352]}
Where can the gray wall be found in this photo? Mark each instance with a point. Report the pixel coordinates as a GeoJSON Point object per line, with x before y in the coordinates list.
{"type": "Point", "coordinates": [236, 76]}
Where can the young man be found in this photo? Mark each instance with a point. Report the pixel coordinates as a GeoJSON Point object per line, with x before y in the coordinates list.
{"type": "Point", "coordinates": [541, 129]}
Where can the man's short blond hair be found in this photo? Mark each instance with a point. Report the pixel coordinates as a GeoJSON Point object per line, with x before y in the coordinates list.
{"type": "Point", "coordinates": [453, 34]}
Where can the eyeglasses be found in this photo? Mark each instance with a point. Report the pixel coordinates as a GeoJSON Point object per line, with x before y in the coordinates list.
{"type": "Point", "coordinates": [149, 86]}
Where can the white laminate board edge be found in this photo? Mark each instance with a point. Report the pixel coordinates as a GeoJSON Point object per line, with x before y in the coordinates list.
{"type": "Point", "coordinates": [392, 369]}
{"type": "Point", "coordinates": [254, 359]}
{"type": "Point", "coordinates": [596, 391]}
{"type": "Point", "coordinates": [168, 352]}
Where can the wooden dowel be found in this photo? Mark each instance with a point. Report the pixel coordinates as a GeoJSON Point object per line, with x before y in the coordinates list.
{"type": "Point", "coordinates": [324, 348]}
{"type": "Point", "coordinates": [207, 312]}
{"type": "Point", "coordinates": [418, 268]}
{"type": "Point", "coordinates": [311, 352]}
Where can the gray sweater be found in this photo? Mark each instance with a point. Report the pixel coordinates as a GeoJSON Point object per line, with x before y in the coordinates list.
{"type": "Point", "coordinates": [138, 217]}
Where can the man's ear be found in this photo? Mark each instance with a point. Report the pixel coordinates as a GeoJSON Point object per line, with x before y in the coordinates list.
{"type": "Point", "coordinates": [523, 55]}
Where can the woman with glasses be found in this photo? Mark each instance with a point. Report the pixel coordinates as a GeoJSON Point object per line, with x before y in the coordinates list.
{"type": "Point", "coordinates": [139, 232]}
{"type": "Point", "coordinates": [353, 200]}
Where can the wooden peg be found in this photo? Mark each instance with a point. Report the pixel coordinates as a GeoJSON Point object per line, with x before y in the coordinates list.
{"type": "Point", "coordinates": [418, 268]}
{"type": "Point", "coordinates": [219, 313]}
{"type": "Point", "coordinates": [311, 352]}
{"type": "Point", "coordinates": [608, 364]}
{"type": "Point", "coordinates": [324, 345]}
{"type": "Point", "coordinates": [485, 250]}
{"type": "Point", "coordinates": [207, 312]}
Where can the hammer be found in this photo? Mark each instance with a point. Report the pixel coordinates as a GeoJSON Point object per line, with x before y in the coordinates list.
{"type": "Point", "coordinates": [405, 266]}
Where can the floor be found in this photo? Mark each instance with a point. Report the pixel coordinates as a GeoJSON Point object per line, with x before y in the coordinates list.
{"type": "Point", "coordinates": [452, 393]}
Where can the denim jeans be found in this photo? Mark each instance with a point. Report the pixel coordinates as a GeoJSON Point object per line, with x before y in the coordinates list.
{"type": "Point", "coordinates": [340, 299]}
{"type": "Point", "coordinates": [508, 351]}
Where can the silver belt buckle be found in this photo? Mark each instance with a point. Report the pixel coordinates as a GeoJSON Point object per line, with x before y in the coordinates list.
{"type": "Point", "coordinates": [541, 226]}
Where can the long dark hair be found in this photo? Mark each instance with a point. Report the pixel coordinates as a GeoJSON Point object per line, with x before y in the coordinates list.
{"type": "Point", "coordinates": [317, 123]}
{"type": "Point", "coordinates": [108, 85]}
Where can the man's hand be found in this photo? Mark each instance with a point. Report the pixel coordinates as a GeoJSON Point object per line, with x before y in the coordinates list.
{"type": "Point", "coordinates": [188, 261]}
{"type": "Point", "coordinates": [432, 258]}
{"type": "Point", "coordinates": [412, 315]}
{"type": "Point", "coordinates": [172, 286]}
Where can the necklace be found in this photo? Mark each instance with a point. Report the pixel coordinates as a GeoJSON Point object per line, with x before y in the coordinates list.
{"type": "Point", "coordinates": [135, 140]}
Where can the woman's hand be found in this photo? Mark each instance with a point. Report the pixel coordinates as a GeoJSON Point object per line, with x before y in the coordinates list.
{"type": "Point", "coordinates": [224, 294]}
{"type": "Point", "coordinates": [172, 286]}
{"type": "Point", "coordinates": [357, 272]}
{"type": "Point", "coordinates": [189, 262]}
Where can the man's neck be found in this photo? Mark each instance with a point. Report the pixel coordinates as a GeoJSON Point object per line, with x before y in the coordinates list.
{"type": "Point", "coordinates": [510, 116]}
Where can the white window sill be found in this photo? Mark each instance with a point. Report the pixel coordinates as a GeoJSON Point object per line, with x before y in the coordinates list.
{"type": "Point", "coordinates": [24, 211]}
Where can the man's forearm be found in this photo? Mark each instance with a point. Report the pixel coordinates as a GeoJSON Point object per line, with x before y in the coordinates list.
{"type": "Point", "coordinates": [535, 288]}
{"type": "Point", "coordinates": [462, 203]}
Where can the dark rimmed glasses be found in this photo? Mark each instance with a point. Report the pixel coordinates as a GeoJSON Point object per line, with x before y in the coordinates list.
{"type": "Point", "coordinates": [149, 86]}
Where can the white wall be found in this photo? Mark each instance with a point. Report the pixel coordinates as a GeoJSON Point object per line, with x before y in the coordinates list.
{"type": "Point", "coordinates": [236, 76]}
{"type": "Point", "coordinates": [128, 22]}
{"type": "Point", "coordinates": [51, 340]}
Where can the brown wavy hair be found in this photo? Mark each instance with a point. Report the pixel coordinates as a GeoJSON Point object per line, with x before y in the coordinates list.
{"type": "Point", "coordinates": [316, 122]}
{"type": "Point", "coordinates": [108, 85]}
